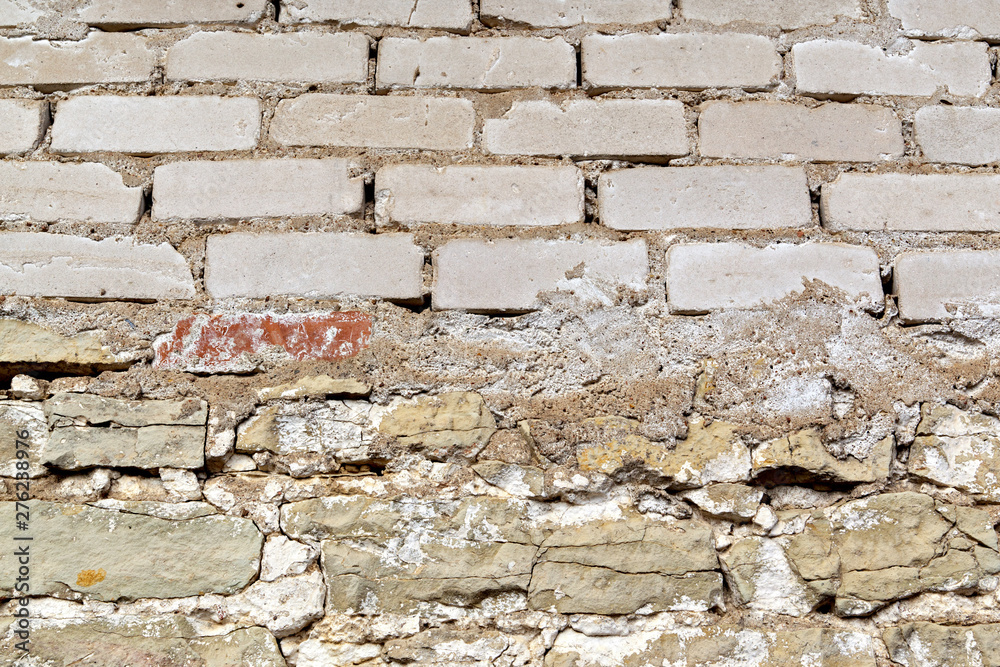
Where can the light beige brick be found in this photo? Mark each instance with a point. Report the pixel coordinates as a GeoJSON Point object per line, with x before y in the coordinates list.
{"type": "Point", "coordinates": [53, 192]}
{"type": "Point", "coordinates": [314, 265]}
{"type": "Point", "coordinates": [507, 275]}
{"type": "Point", "coordinates": [170, 12]}
{"type": "Point", "coordinates": [102, 57]}
{"type": "Point", "coordinates": [148, 125]}
{"type": "Point", "coordinates": [781, 130]}
{"type": "Point", "coordinates": [447, 14]}
{"type": "Point", "coordinates": [489, 196]}
{"type": "Point", "coordinates": [54, 265]}
{"type": "Point", "coordinates": [788, 14]}
{"type": "Point", "coordinates": [235, 189]}
{"type": "Point", "coordinates": [287, 57]}
{"type": "Point", "coordinates": [590, 128]}
{"type": "Point", "coordinates": [14, 12]}
{"type": "Point", "coordinates": [703, 277]}
{"type": "Point", "coordinates": [842, 69]}
{"type": "Point", "coordinates": [483, 63]}
{"type": "Point", "coordinates": [693, 61]}
{"type": "Point", "coordinates": [964, 135]}
{"type": "Point", "coordinates": [912, 202]}
{"type": "Point", "coordinates": [22, 123]}
{"type": "Point", "coordinates": [369, 121]}
{"type": "Point", "coordinates": [935, 286]}
{"type": "Point", "coordinates": [723, 197]}
{"type": "Point", "coordinates": [566, 13]}
{"type": "Point", "coordinates": [965, 19]}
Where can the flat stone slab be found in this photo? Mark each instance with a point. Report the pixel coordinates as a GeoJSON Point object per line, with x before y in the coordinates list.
{"type": "Point", "coordinates": [26, 345]}
{"type": "Point", "coordinates": [56, 192]}
{"type": "Point", "coordinates": [937, 286]}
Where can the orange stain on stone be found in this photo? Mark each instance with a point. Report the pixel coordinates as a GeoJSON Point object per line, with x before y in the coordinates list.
{"type": "Point", "coordinates": [90, 577]}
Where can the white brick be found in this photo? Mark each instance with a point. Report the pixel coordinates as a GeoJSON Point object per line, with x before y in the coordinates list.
{"type": "Point", "coordinates": [908, 202]}
{"type": "Point", "coordinates": [53, 192]}
{"type": "Point", "coordinates": [780, 130]}
{"type": "Point", "coordinates": [945, 285]}
{"type": "Point", "coordinates": [788, 14]}
{"type": "Point", "coordinates": [702, 277]}
{"type": "Point", "coordinates": [370, 121]}
{"type": "Point", "coordinates": [314, 265]}
{"type": "Point", "coordinates": [288, 57]}
{"type": "Point", "coordinates": [964, 135]}
{"type": "Point", "coordinates": [491, 63]}
{"type": "Point", "coordinates": [828, 68]}
{"type": "Point", "coordinates": [236, 189]}
{"type": "Point", "coordinates": [723, 197]}
{"type": "Point", "coordinates": [507, 275]}
{"type": "Point", "coordinates": [103, 57]}
{"type": "Point", "coordinates": [13, 12]}
{"type": "Point", "coordinates": [147, 125]}
{"type": "Point", "coordinates": [170, 12]}
{"type": "Point", "coordinates": [590, 128]}
{"type": "Point", "coordinates": [968, 19]}
{"type": "Point", "coordinates": [692, 61]}
{"type": "Point", "coordinates": [54, 265]}
{"type": "Point", "coordinates": [566, 13]}
{"type": "Point", "coordinates": [22, 123]}
{"type": "Point", "coordinates": [447, 14]}
{"type": "Point", "coordinates": [490, 196]}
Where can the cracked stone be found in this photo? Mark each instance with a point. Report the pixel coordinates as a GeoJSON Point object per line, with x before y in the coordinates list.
{"type": "Point", "coordinates": [958, 449]}
{"type": "Point", "coordinates": [735, 502]}
{"type": "Point", "coordinates": [803, 455]}
{"type": "Point", "coordinates": [763, 579]}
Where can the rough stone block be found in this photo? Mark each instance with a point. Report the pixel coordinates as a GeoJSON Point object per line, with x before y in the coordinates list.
{"type": "Point", "coordinates": [692, 61]}
{"type": "Point", "coordinates": [702, 277]}
{"type": "Point", "coordinates": [24, 345]}
{"type": "Point", "coordinates": [566, 13]}
{"type": "Point", "coordinates": [481, 63]}
{"type": "Point", "coordinates": [22, 428]}
{"type": "Point", "coordinates": [237, 189]}
{"type": "Point", "coordinates": [22, 124]}
{"type": "Point", "coordinates": [54, 192]}
{"type": "Point", "coordinates": [963, 135]}
{"type": "Point", "coordinates": [779, 130]}
{"type": "Point", "coordinates": [103, 57]}
{"type": "Point", "coordinates": [76, 448]}
{"type": "Point", "coordinates": [805, 456]}
{"type": "Point", "coordinates": [841, 69]}
{"type": "Point", "coordinates": [317, 265]}
{"type": "Point", "coordinates": [963, 20]}
{"type": "Point", "coordinates": [787, 14]}
{"type": "Point", "coordinates": [242, 343]}
{"type": "Point", "coordinates": [508, 275]}
{"type": "Point", "coordinates": [177, 12]}
{"type": "Point", "coordinates": [935, 286]}
{"type": "Point", "coordinates": [912, 202]}
{"type": "Point", "coordinates": [924, 644]}
{"type": "Point", "coordinates": [958, 449]}
{"type": "Point", "coordinates": [69, 266]}
{"type": "Point", "coordinates": [308, 57]}
{"type": "Point", "coordinates": [148, 125]}
{"type": "Point", "coordinates": [374, 122]}
{"type": "Point", "coordinates": [489, 196]}
{"type": "Point", "coordinates": [446, 14]}
{"type": "Point", "coordinates": [723, 197]}
{"type": "Point", "coordinates": [64, 408]}
{"type": "Point", "coordinates": [590, 128]}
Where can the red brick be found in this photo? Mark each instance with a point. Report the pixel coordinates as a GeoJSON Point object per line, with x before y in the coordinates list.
{"type": "Point", "coordinates": [241, 343]}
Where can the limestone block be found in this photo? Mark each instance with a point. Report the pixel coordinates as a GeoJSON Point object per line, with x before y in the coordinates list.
{"type": "Point", "coordinates": [317, 119]}
{"type": "Point", "coordinates": [787, 14]}
{"type": "Point", "coordinates": [702, 277]}
{"type": "Point", "coordinates": [802, 454]}
{"type": "Point", "coordinates": [963, 20]}
{"type": "Point", "coordinates": [53, 192]}
{"type": "Point", "coordinates": [722, 197]}
{"type": "Point", "coordinates": [733, 502]}
{"type": "Point", "coordinates": [517, 480]}
{"type": "Point", "coordinates": [926, 644]}
{"type": "Point", "coordinates": [308, 57]}
{"type": "Point", "coordinates": [442, 646]}
{"type": "Point", "coordinates": [912, 202]}
{"type": "Point", "coordinates": [935, 286]}
{"type": "Point", "coordinates": [103, 57]}
{"type": "Point", "coordinates": [35, 264]}
{"type": "Point", "coordinates": [25, 344]}
{"type": "Point", "coordinates": [780, 130]}
{"type": "Point", "coordinates": [838, 68]}
{"type": "Point", "coordinates": [22, 428]}
{"type": "Point", "coordinates": [508, 275]}
{"type": "Point", "coordinates": [177, 12]}
{"type": "Point", "coordinates": [148, 125]}
{"type": "Point", "coordinates": [958, 449]}
{"type": "Point", "coordinates": [22, 124]}
{"type": "Point", "coordinates": [116, 555]}
{"type": "Point", "coordinates": [237, 189]}
{"type": "Point", "coordinates": [447, 14]}
{"type": "Point", "coordinates": [963, 135]}
{"type": "Point", "coordinates": [567, 13]}
{"type": "Point", "coordinates": [762, 577]}
{"type": "Point", "coordinates": [314, 265]}
{"type": "Point", "coordinates": [440, 426]}
{"type": "Point", "coordinates": [590, 128]}
{"type": "Point", "coordinates": [284, 557]}
{"type": "Point", "coordinates": [283, 607]}
{"type": "Point", "coordinates": [480, 63]}
{"type": "Point", "coordinates": [489, 196]}
{"type": "Point", "coordinates": [97, 410]}
{"type": "Point", "coordinates": [690, 61]}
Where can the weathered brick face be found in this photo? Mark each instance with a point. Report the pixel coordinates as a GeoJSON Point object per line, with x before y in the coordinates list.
{"type": "Point", "coordinates": [521, 333]}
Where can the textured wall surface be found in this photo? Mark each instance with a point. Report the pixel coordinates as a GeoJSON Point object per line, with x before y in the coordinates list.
{"type": "Point", "coordinates": [549, 333]}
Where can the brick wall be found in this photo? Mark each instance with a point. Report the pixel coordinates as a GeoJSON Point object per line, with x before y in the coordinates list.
{"type": "Point", "coordinates": [501, 332]}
